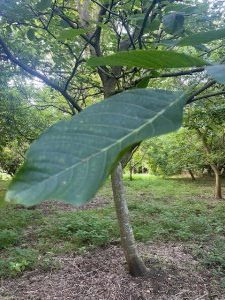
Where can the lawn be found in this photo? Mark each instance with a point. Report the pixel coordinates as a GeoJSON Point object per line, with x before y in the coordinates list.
{"type": "Point", "coordinates": [175, 210]}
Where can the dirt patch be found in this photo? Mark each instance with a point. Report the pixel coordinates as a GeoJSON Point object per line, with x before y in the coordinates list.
{"type": "Point", "coordinates": [101, 274]}
{"type": "Point", "coordinates": [48, 207]}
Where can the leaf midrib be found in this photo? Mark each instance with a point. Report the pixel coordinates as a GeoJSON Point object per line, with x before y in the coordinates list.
{"type": "Point", "coordinates": [110, 146]}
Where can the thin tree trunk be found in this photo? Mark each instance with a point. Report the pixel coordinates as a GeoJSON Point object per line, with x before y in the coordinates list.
{"type": "Point", "coordinates": [136, 266]}
{"type": "Point", "coordinates": [191, 174]}
{"type": "Point", "coordinates": [218, 187]}
{"type": "Point", "coordinates": [131, 171]}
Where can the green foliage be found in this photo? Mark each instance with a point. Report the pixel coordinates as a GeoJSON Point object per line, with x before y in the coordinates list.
{"type": "Point", "coordinates": [207, 120]}
{"type": "Point", "coordinates": [83, 230]}
{"type": "Point", "coordinates": [8, 237]}
{"type": "Point", "coordinates": [20, 260]}
{"type": "Point", "coordinates": [161, 210]}
{"type": "Point", "coordinates": [17, 218]}
{"type": "Point", "coordinates": [21, 122]}
{"type": "Point", "coordinates": [43, 4]}
{"type": "Point", "coordinates": [57, 167]}
{"type": "Point", "coordinates": [202, 38]}
{"type": "Point", "coordinates": [175, 153]}
{"type": "Point", "coordinates": [11, 158]}
{"type": "Point", "coordinates": [42, 41]}
{"type": "Point", "coordinates": [211, 255]}
{"type": "Point", "coordinates": [156, 59]}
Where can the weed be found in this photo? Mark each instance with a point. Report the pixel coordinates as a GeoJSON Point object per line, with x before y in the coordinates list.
{"type": "Point", "coordinates": [18, 260]}
{"type": "Point", "coordinates": [8, 237]}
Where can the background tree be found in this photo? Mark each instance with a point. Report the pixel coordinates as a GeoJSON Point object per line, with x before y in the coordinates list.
{"type": "Point", "coordinates": [176, 153]}
{"type": "Point", "coordinates": [207, 120]}
{"type": "Point", "coordinates": [25, 113]}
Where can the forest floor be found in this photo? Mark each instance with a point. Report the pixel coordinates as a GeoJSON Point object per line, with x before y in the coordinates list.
{"type": "Point", "coordinates": [57, 251]}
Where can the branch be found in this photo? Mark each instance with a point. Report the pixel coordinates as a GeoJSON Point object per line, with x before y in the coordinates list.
{"type": "Point", "coordinates": [150, 9]}
{"type": "Point", "coordinates": [180, 73]}
{"type": "Point", "coordinates": [199, 91]}
{"type": "Point", "coordinates": [39, 75]}
{"type": "Point", "coordinates": [209, 95]}
{"type": "Point", "coordinates": [174, 74]}
{"type": "Point", "coordinates": [72, 25]}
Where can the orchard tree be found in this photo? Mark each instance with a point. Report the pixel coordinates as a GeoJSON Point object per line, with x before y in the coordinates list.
{"type": "Point", "coordinates": [207, 119]}
{"type": "Point", "coordinates": [131, 44]}
{"type": "Point", "coordinates": [176, 153]}
{"type": "Point", "coordinates": [25, 113]}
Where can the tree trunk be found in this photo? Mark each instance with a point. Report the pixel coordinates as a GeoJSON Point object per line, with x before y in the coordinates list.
{"type": "Point", "coordinates": [131, 171]}
{"type": "Point", "coordinates": [218, 187]}
{"type": "Point", "coordinates": [191, 174]}
{"type": "Point", "coordinates": [136, 266]}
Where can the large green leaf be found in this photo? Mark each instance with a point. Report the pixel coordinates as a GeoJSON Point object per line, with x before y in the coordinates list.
{"type": "Point", "coordinates": [147, 59]}
{"type": "Point", "coordinates": [73, 158]}
{"type": "Point", "coordinates": [217, 72]}
{"type": "Point", "coordinates": [202, 38]}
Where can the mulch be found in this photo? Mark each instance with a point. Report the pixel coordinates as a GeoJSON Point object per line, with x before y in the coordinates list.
{"type": "Point", "coordinates": [101, 274]}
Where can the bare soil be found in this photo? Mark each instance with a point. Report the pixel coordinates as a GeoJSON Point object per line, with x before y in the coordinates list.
{"type": "Point", "coordinates": [48, 207]}
{"type": "Point", "coordinates": [101, 274]}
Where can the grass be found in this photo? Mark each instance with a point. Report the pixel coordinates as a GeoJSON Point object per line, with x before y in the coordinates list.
{"type": "Point", "coordinates": [160, 209]}
{"type": "Point", "coordinates": [3, 186]}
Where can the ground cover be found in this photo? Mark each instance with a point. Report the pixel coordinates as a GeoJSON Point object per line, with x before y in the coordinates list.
{"type": "Point", "coordinates": [56, 251]}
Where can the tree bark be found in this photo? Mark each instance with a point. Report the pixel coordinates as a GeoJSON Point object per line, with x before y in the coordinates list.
{"type": "Point", "coordinates": [131, 171]}
{"type": "Point", "coordinates": [218, 187]}
{"type": "Point", "coordinates": [191, 174]}
{"type": "Point", "coordinates": [136, 266]}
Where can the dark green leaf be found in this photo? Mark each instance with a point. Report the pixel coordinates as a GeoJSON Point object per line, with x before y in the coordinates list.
{"type": "Point", "coordinates": [147, 59]}
{"type": "Point", "coordinates": [43, 5]}
{"type": "Point", "coordinates": [173, 23]}
{"type": "Point", "coordinates": [31, 34]}
{"type": "Point", "coordinates": [217, 72]}
{"type": "Point", "coordinates": [143, 83]}
{"type": "Point", "coordinates": [73, 158]}
{"type": "Point", "coordinates": [202, 38]}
